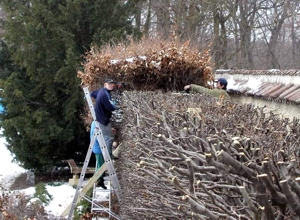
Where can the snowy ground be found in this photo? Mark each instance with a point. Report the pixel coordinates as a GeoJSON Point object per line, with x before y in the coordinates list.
{"type": "Point", "coordinates": [62, 195]}
{"type": "Point", "coordinates": [8, 170]}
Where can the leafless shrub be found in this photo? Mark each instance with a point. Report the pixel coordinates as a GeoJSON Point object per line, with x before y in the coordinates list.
{"type": "Point", "coordinates": [187, 156]}
{"type": "Point", "coordinates": [15, 205]}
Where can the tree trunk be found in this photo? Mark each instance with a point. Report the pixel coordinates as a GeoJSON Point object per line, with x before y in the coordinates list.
{"type": "Point", "coordinates": [217, 54]}
{"type": "Point", "coordinates": [247, 14]}
{"type": "Point", "coordinates": [148, 19]}
{"type": "Point", "coordinates": [275, 31]}
{"type": "Point", "coordinates": [163, 21]}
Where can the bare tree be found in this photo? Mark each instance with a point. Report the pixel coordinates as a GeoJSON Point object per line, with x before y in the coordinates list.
{"type": "Point", "coordinates": [138, 15]}
{"type": "Point", "coordinates": [222, 12]}
{"type": "Point", "coordinates": [272, 17]}
{"type": "Point", "coordinates": [291, 32]}
{"type": "Point", "coordinates": [247, 12]}
{"type": "Point", "coordinates": [247, 34]}
{"type": "Point", "coordinates": [148, 13]}
{"type": "Point", "coordinates": [162, 17]}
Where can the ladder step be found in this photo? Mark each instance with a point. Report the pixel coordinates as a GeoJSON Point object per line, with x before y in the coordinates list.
{"type": "Point", "coordinates": [100, 209]}
{"type": "Point", "coordinates": [102, 218]}
{"type": "Point", "coordinates": [100, 200]}
{"type": "Point", "coordinates": [100, 189]}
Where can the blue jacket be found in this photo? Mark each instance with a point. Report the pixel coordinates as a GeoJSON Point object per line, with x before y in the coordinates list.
{"type": "Point", "coordinates": [96, 147]}
{"type": "Point", "coordinates": [103, 106]}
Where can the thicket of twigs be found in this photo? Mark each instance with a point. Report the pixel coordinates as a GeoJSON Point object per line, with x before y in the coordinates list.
{"type": "Point", "coordinates": [16, 205]}
{"type": "Point", "coordinates": [187, 157]}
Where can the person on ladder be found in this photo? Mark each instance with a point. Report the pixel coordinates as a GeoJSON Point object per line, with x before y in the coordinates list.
{"type": "Point", "coordinates": [98, 155]}
{"type": "Point", "coordinates": [103, 110]}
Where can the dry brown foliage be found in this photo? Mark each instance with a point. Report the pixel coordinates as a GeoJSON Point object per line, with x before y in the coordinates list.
{"type": "Point", "coordinates": [148, 65]}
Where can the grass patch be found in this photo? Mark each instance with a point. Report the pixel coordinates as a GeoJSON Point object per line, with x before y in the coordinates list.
{"type": "Point", "coordinates": [83, 206]}
{"type": "Point", "coordinates": [42, 194]}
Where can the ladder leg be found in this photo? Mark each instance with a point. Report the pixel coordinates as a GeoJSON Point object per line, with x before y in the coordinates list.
{"type": "Point", "coordinates": [86, 163]}
{"type": "Point", "coordinates": [86, 188]}
{"type": "Point", "coordinates": [108, 164]}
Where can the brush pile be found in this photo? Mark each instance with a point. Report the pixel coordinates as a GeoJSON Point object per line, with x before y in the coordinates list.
{"type": "Point", "coordinates": [186, 156]}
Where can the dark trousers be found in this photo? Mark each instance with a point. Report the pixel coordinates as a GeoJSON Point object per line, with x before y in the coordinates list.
{"type": "Point", "coordinates": [99, 163]}
{"type": "Point", "coordinates": [108, 136]}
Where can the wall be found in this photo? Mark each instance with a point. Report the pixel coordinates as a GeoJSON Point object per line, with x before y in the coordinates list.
{"type": "Point", "coordinates": [285, 110]}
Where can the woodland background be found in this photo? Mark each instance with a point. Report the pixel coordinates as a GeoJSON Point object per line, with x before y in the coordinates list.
{"type": "Point", "coordinates": [43, 44]}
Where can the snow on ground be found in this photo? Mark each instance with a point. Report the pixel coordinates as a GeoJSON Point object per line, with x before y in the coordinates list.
{"type": "Point", "coordinates": [8, 169]}
{"type": "Point", "coordinates": [62, 195]}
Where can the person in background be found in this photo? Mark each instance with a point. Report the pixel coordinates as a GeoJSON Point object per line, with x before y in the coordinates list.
{"type": "Point", "coordinates": [219, 92]}
{"type": "Point", "coordinates": [103, 110]}
{"type": "Point", "coordinates": [98, 154]}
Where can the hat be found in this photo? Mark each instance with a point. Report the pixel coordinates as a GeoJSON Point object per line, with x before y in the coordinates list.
{"type": "Point", "coordinates": [109, 81]}
{"type": "Point", "coordinates": [222, 81]}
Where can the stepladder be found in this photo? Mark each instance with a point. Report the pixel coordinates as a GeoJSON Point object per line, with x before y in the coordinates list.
{"type": "Point", "coordinates": [108, 164]}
